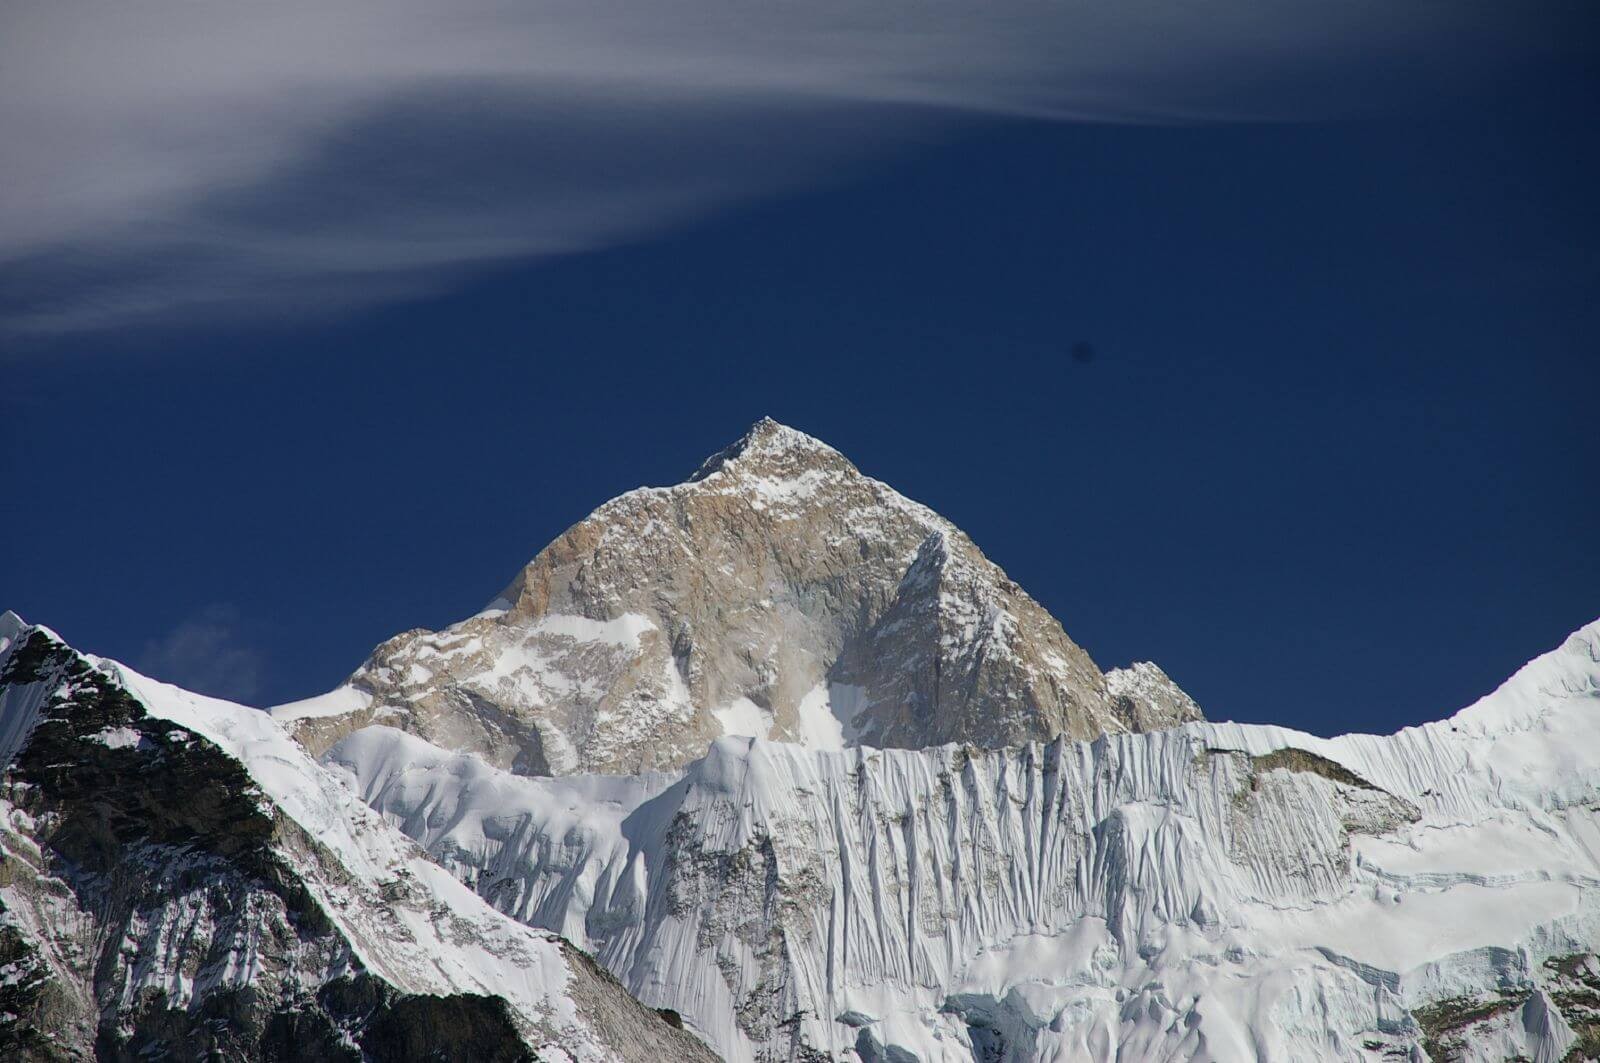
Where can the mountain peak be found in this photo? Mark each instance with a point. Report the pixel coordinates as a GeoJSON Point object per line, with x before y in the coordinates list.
{"type": "Point", "coordinates": [770, 444]}
{"type": "Point", "coordinates": [780, 592]}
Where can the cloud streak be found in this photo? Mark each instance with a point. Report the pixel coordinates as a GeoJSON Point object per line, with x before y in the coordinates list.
{"type": "Point", "coordinates": [170, 161]}
{"type": "Point", "coordinates": [203, 653]}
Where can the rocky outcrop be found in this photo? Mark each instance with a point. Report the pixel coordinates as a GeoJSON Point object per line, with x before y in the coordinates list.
{"type": "Point", "coordinates": [1147, 699]}
{"type": "Point", "coordinates": [778, 592]}
{"type": "Point", "coordinates": [196, 888]}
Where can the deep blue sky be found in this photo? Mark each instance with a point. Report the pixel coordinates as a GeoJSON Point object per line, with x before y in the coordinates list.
{"type": "Point", "coordinates": [1333, 465]}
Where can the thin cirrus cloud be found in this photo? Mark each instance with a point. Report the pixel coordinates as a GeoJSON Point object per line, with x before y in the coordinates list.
{"type": "Point", "coordinates": [173, 161]}
{"type": "Point", "coordinates": [205, 653]}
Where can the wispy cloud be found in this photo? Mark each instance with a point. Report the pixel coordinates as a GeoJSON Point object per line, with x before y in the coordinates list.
{"type": "Point", "coordinates": [168, 160]}
{"type": "Point", "coordinates": [205, 653]}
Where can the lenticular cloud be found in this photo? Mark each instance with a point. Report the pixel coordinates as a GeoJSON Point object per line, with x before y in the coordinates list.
{"type": "Point", "coordinates": [231, 158]}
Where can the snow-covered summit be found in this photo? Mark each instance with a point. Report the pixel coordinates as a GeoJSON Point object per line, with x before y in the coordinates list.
{"type": "Point", "coordinates": [779, 592]}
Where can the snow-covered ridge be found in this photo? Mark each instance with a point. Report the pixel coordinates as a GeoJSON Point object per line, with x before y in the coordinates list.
{"type": "Point", "coordinates": [1214, 892]}
{"type": "Point", "coordinates": [206, 915]}
{"type": "Point", "coordinates": [1211, 892]}
{"type": "Point", "coordinates": [20, 699]}
{"type": "Point", "coordinates": [415, 955]}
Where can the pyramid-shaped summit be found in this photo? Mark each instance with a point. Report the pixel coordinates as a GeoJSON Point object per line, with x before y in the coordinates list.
{"type": "Point", "coordinates": [778, 593]}
{"type": "Point", "coordinates": [770, 443]}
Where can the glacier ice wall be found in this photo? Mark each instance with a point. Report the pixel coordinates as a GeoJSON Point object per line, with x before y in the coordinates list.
{"type": "Point", "coordinates": [1216, 891]}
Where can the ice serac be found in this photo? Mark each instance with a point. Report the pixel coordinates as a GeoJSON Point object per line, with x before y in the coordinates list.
{"type": "Point", "coordinates": [179, 880]}
{"type": "Point", "coordinates": [778, 592]}
{"type": "Point", "coordinates": [1213, 892]}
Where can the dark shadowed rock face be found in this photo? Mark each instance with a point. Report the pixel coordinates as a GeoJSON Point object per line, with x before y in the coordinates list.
{"type": "Point", "coordinates": [144, 849]}
{"type": "Point", "coordinates": [778, 592]}
{"type": "Point", "coordinates": [154, 905]}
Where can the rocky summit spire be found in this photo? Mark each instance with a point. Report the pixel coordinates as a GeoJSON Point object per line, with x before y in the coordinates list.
{"type": "Point", "coordinates": [777, 593]}
{"type": "Point", "coordinates": [774, 446]}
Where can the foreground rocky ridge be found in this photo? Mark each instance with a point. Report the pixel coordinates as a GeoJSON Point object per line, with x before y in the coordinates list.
{"type": "Point", "coordinates": [1215, 892]}
{"type": "Point", "coordinates": [178, 880]}
{"type": "Point", "coordinates": [777, 593]}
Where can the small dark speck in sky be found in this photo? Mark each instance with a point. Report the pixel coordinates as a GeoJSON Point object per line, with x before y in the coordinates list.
{"type": "Point", "coordinates": [1083, 352]}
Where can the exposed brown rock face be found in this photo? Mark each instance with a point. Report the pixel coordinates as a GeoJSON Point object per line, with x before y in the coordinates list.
{"type": "Point", "coordinates": [778, 591]}
{"type": "Point", "coordinates": [1147, 699]}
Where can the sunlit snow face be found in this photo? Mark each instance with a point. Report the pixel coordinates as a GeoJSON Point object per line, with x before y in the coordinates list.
{"type": "Point", "coordinates": [1222, 885]}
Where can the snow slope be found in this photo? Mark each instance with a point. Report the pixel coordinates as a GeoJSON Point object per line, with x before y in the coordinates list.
{"type": "Point", "coordinates": [1214, 892]}
{"type": "Point", "coordinates": [94, 748]}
